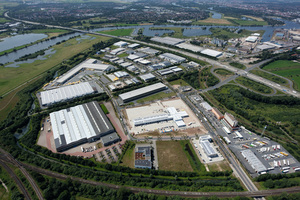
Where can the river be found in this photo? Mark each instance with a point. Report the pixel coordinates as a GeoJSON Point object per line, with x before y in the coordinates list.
{"type": "Point", "coordinates": [19, 40]}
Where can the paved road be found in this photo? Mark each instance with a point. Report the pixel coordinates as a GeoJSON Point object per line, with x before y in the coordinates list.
{"type": "Point", "coordinates": [192, 55]}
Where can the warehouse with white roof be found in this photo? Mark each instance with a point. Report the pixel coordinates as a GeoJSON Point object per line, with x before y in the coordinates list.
{"type": "Point", "coordinates": [80, 124]}
{"type": "Point", "coordinates": [142, 92]}
{"type": "Point", "coordinates": [253, 161]}
{"type": "Point", "coordinates": [172, 58]}
{"type": "Point", "coordinates": [88, 64]}
{"type": "Point", "coordinates": [212, 53]}
{"type": "Point", "coordinates": [66, 93]}
{"type": "Point", "coordinates": [167, 40]}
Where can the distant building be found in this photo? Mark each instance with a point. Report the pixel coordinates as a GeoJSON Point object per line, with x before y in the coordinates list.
{"type": "Point", "coordinates": [206, 106]}
{"type": "Point", "coordinates": [251, 39]}
{"type": "Point", "coordinates": [167, 40]}
{"type": "Point", "coordinates": [217, 113]}
{"type": "Point", "coordinates": [212, 53]}
{"type": "Point", "coordinates": [229, 121]}
{"type": "Point", "coordinates": [147, 77]}
{"type": "Point", "coordinates": [172, 58]}
{"type": "Point", "coordinates": [120, 44]}
{"type": "Point", "coordinates": [143, 157]}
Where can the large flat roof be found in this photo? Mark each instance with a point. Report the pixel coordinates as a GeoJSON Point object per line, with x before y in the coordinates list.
{"type": "Point", "coordinates": [79, 123]}
{"type": "Point", "coordinates": [65, 93]}
{"type": "Point", "coordinates": [88, 64]}
{"type": "Point", "coordinates": [143, 90]}
{"type": "Point", "coordinates": [167, 40]}
{"type": "Point", "coordinates": [254, 162]}
{"type": "Point", "coordinates": [211, 52]}
{"type": "Point", "coordinates": [190, 47]}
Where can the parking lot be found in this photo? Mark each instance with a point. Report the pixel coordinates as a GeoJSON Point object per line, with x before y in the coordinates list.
{"type": "Point", "coordinates": [272, 155]}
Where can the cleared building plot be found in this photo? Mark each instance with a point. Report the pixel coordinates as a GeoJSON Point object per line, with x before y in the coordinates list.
{"type": "Point", "coordinates": [142, 92]}
{"type": "Point", "coordinates": [78, 125]}
{"type": "Point", "coordinates": [171, 156]}
{"type": "Point", "coordinates": [167, 40]}
{"type": "Point", "coordinates": [164, 116]}
{"type": "Point", "coordinates": [66, 93]}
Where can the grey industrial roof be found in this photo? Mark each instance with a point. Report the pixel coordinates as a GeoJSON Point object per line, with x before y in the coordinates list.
{"type": "Point", "coordinates": [167, 40]}
{"type": "Point", "coordinates": [190, 47]}
{"type": "Point", "coordinates": [254, 162]}
{"type": "Point", "coordinates": [148, 76]}
{"type": "Point", "coordinates": [209, 150]}
{"type": "Point", "coordinates": [147, 150]}
{"type": "Point", "coordinates": [172, 57]}
{"type": "Point", "coordinates": [77, 123]}
{"type": "Point", "coordinates": [148, 50]}
{"type": "Point", "coordinates": [65, 93]}
{"type": "Point", "coordinates": [205, 105]}
{"type": "Point", "coordinates": [143, 163]}
{"type": "Point", "coordinates": [110, 138]}
{"type": "Point", "coordinates": [143, 90]}
{"type": "Point", "coordinates": [211, 52]}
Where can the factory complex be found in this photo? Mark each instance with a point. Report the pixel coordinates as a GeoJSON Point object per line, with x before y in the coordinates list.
{"type": "Point", "coordinates": [92, 64]}
{"type": "Point", "coordinates": [78, 125]}
{"type": "Point", "coordinates": [142, 92]}
{"type": "Point", "coordinates": [65, 93]}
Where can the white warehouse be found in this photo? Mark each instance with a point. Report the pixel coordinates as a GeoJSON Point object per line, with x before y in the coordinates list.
{"type": "Point", "coordinates": [66, 93]}
{"type": "Point", "coordinates": [172, 58]}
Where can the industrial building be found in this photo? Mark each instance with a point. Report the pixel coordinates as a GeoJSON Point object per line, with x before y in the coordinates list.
{"type": "Point", "coordinates": [206, 106]}
{"type": "Point", "coordinates": [121, 74]}
{"type": "Point", "coordinates": [190, 47]}
{"type": "Point", "coordinates": [229, 121]}
{"type": "Point", "coordinates": [116, 51]}
{"type": "Point", "coordinates": [169, 70]}
{"type": "Point", "coordinates": [167, 40]}
{"type": "Point", "coordinates": [110, 139]}
{"type": "Point", "coordinates": [80, 124]}
{"type": "Point", "coordinates": [173, 114]}
{"type": "Point", "coordinates": [147, 77]}
{"type": "Point", "coordinates": [93, 64]}
{"type": "Point", "coordinates": [212, 53]}
{"type": "Point", "coordinates": [254, 162]}
{"type": "Point", "coordinates": [205, 143]}
{"type": "Point", "coordinates": [142, 92]}
{"type": "Point", "coordinates": [148, 50]}
{"type": "Point", "coordinates": [172, 58]}
{"type": "Point", "coordinates": [217, 113]}
{"type": "Point", "coordinates": [120, 44]}
{"type": "Point", "coordinates": [143, 157]}
{"type": "Point", "coordinates": [66, 93]}
{"type": "Point", "coordinates": [160, 65]}
{"type": "Point", "coordinates": [133, 46]}
{"type": "Point", "coordinates": [251, 39]}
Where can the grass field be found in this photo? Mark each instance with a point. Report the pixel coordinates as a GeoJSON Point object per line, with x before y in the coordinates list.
{"type": "Point", "coordinates": [4, 195]}
{"type": "Point", "coordinates": [219, 166]}
{"type": "Point", "coordinates": [128, 158]}
{"type": "Point", "coordinates": [253, 85]}
{"type": "Point", "coordinates": [13, 77]}
{"type": "Point", "coordinates": [157, 96]}
{"type": "Point", "coordinates": [172, 157]}
{"type": "Point", "coordinates": [286, 68]}
{"type": "Point", "coordinates": [3, 20]}
{"type": "Point", "coordinates": [179, 82]}
{"type": "Point", "coordinates": [255, 18]}
{"type": "Point", "coordinates": [270, 77]}
{"type": "Point", "coordinates": [211, 21]}
{"type": "Point", "coordinates": [178, 31]}
{"type": "Point", "coordinates": [223, 72]}
{"type": "Point", "coordinates": [118, 32]}
{"type": "Point", "coordinates": [238, 65]}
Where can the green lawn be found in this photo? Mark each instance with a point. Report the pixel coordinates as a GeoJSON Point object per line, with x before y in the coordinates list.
{"type": "Point", "coordinates": [118, 32]}
{"type": "Point", "coordinates": [128, 158]}
{"type": "Point", "coordinates": [157, 96]}
{"type": "Point", "coordinates": [286, 68]}
{"type": "Point", "coordinates": [253, 85]}
{"type": "Point", "coordinates": [3, 20]}
{"type": "Point", "coordinates": [12, 77]}
{"type": "Point", "coordinates": [178, 31]}
{"type": "Point", "coordinates": [270, 77]}
{"type": "Point", "coordinates": [223, 72]}
{"type": "Point", "coordinates": [179, 82]}
{"type": "Point", "coordinates": [238, 65]}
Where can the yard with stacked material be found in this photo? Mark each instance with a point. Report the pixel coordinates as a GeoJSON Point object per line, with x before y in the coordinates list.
{"type": "Point", "coordinates": [286, 68]}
